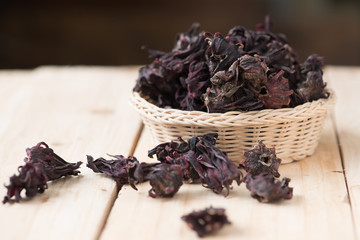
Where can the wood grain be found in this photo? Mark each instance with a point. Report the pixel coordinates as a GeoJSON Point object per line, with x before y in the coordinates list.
{"type": "Point", "coordinates": [316, 212]}
{"type": "Point", "coordinates": [346, 83]}
{"type": "Point", "coordinates": [77, 111]}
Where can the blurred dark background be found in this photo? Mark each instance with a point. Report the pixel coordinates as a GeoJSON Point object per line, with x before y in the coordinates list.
{"type": "Point", "coordinates": [40, 32]}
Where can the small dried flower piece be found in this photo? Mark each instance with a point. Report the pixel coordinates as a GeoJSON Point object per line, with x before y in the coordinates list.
{"type": "Point", "coordinates": [199, 158]}
{"type": "Point", "coordinates": [54, 166]}
{"type": "Point", "coordinates": [206, 221]}
{"type": "Point", "coordinates": [41, 165]}
{"type": "Point", "coordinates": [165, 180]}
{"type": "Point", "coordinates": [31, 177]}
{"type": "Point", "coordinates": [261, 159]}
{"type": "Point", "coordinates": [122, 170]}
{"type": "Point", "coordinates": [264, 188]}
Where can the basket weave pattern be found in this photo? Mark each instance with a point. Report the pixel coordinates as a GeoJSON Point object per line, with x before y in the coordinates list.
{"type": "Point", "coordinates": [295, 132]}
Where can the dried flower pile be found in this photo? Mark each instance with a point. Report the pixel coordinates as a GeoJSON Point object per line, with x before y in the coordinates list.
{"type": "Point", "coordinates": [242, 71]}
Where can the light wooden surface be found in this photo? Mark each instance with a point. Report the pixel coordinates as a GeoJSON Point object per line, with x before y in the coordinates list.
{"type": "Point", "coordinates": [85, 110]}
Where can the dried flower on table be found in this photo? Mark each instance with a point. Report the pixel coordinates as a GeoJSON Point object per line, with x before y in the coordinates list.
{"type": "Point", "coordinates": [41, 165]}
{"type": "Point", "coordinates": [31, 177]}
{"type": "Point", "coordinates": [54, 166]}
{"type": "Point", "coordinates": [264, 188]}
{"type": "Point", "coordinates": [122, 170]}
{"type": "Point", "coordinates": [261, 159]}
{"type": "Point", "coordinates": [165, 180]}
{"type": "Point", "coordinates": [199, 158]}
{"type": "Point", "coordinates": [206, 221]}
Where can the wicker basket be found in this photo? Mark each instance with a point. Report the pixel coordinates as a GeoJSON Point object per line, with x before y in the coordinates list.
{"type": "Point", "coordinates": [295, 132]}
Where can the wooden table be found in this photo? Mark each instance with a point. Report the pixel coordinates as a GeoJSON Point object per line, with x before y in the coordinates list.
{"type": "Point", "coordinates": [85, 110]}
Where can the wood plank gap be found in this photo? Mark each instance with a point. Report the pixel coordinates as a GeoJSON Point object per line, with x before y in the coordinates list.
{"type": "Point", "coordinates": [344, 172]}
{"type": "Point", "coordinates": [117, 189]}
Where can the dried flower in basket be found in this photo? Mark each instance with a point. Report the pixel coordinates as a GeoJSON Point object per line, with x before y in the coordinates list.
{"type": "Point", "coordinates": [199, 158]}
{"type": "Point", "coordinates": [41, 165]}
{"type": "Point", "coordinates": [206, 221]}
{"type": "Point", "coordinates": [242, 71]}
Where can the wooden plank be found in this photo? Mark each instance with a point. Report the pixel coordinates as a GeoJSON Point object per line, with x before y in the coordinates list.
{"type": "Point", "coordinates": [317, 210]}
{"type": "Point", "coordinates": [77, 111]}
{"type": "Point", "coordinates": [346, 83]}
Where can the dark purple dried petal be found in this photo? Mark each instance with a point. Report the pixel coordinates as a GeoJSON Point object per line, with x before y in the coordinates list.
{"type": "Point", "coordinates": [199, 158]}
{"type": "Point", "coordinates": [264, 188]}
{"type": "Point", "coordinates": [206, 221]}
{"type": "Point", "coordinates": [261, 159]}
{"type": "Point", "coordinates": [31, 177]}
{"type": "Point", "coordinates": [118, 169]}
{"type": "Point", "coordinates": [276, 93]}
{"type": "Point", "coordinates": [54, 166]}
{"type": "Point", "coordinates": [220, 54]}
{"type": "Point", "coordinates": [165, 180]}
{"type": "Point", "coordinates": [41, 165]}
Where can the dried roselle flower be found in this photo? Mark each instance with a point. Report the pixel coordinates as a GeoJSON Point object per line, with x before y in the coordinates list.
{"type": "Point", "coordinates": [206, 221]}
{"type": "Point", "coordinates": [264, 188]}
{"type": "Point", "coordinates": [196, 84]}
{"type": "Point", "coordinates": [167, 80]}
{"type": "Point", "coordinates": [237, 88]}
{"type": "Point", "coordinates": [54, 166]}
{"type": "Point", "coordinates": [31, 177]}
{"type": "Point", "coordinates": [261, 159]}
{"type": "Point", "coordinates": [41, 165]}
{"type": "Point", "coordinates": [117, 168]}
{"type": "Point", "coordinates": [199, 158]}
{"type": "Point", "coordinates": [220, 54]}
{"type": "Point", "coordinates": [165, 180]}
{"type": "Point", "coordinates": [313, 87]}
{"type": "Point", "coordinates": [276, 92]}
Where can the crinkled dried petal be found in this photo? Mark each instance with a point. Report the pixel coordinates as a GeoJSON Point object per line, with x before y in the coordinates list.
{"type": "Point", "coordinates": [165, 180]}
{"type": "Point", "coordinates": [276, 92]}
{"type": "Point", "coordinates": [118, 168]}
{"type": "Point", "coordinates": [55, 167]}
{"type": "Point", "coordinates": [31, 177]}
{"type": "Point", "coordinates": [206, 221]}
{"type": "Point", "coordinates": [264, 188]}
{"type": "Point", "coordinates": [261, 159]}
{"type": "Point", "coordinates": [199, 158]}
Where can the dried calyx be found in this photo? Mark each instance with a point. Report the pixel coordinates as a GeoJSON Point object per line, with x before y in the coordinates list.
{"type": "Point", "coordinates": [261, 159]}
{"type": "Point", "coordinates": [241, 71]}
{"type": "Point", "coordinates": [200, 159]}
{"type": "Point", "coordinates": [261, 165]}
{"type": "Point", "coordinates": [265, 188]}
{"type": "Point", "coordinates": [41, 165]}
{"type": "Point", "coordinates": [165, 179]}
{"type": "Point", "coordinates": [206, 221]}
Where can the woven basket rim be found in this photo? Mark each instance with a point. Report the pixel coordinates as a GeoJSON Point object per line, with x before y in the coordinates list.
{"type": "Point", "coordinates": [237, 118]}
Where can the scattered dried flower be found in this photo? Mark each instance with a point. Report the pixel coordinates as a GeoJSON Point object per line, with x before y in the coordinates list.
{"type": "Point", "coordinates": [199, 158]}
{"type": "Point", "coordinates": [206, 221]}
{"type": "Point", "coordinates": [41, 165]}
{"type": "Point", "coordinates": [122, 170]}
{"type": "Point", "coordinates": [264, 188]}
{"type": "Point", "coordinates": [165, 180]}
